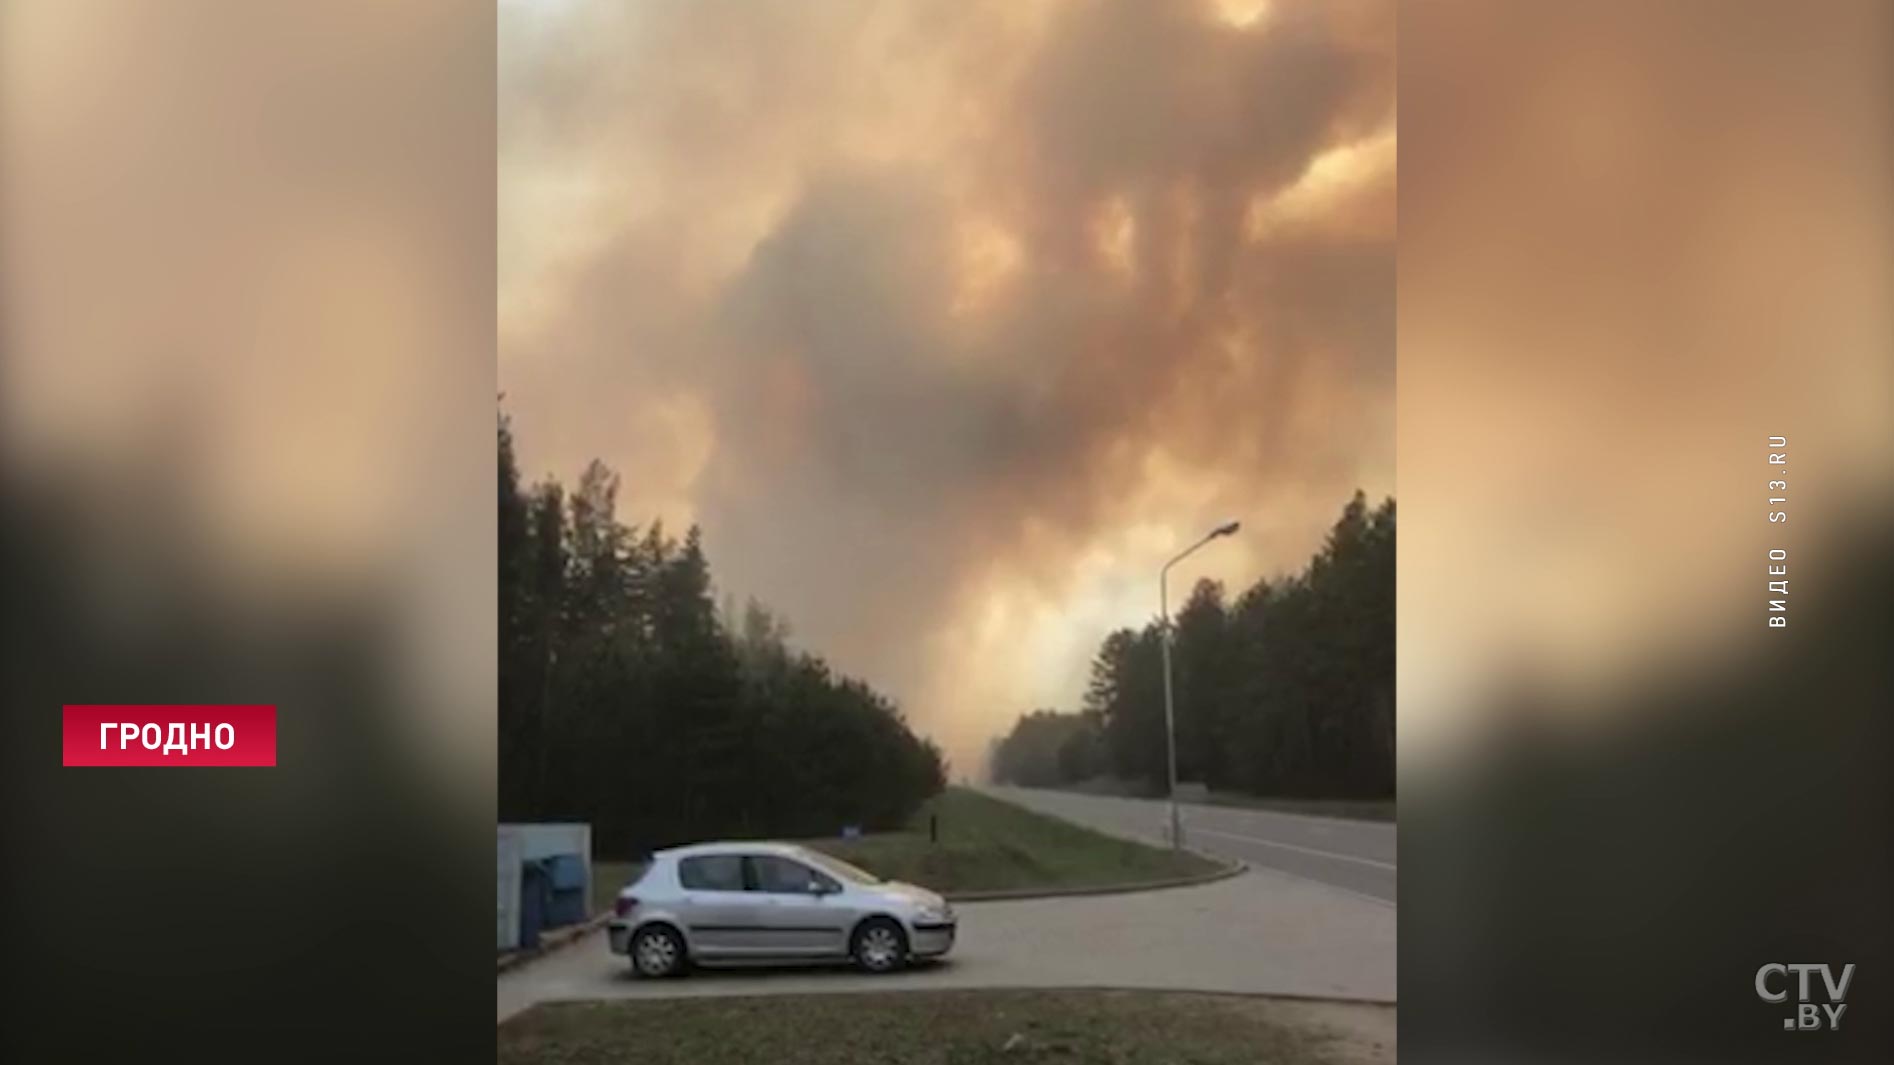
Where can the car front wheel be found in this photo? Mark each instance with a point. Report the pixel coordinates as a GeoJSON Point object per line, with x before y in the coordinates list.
{"type": "Point", "coordinates": [880, 946]}
{"type": "Point", "coordinates": [657, 951]}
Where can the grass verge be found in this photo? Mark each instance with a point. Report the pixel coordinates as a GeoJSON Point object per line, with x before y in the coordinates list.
{"type": "Point", "coordinates": [988, 845]}
{"type": "Point", "coordinates": [985, 845]}
{"type": "Point", "coordinates": [608, 879]}
{"type": "Point", "coordinates": [961, 1027]}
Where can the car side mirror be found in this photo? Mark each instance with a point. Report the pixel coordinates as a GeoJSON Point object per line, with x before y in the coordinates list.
{"type": "Point", "coordinates": [817, 887]}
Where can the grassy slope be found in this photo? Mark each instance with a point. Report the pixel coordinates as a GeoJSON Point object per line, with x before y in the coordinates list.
{"type": "Point", "coordinates": [988, 845]}
{"type": "Point", "coordinates": [608, 878]}
{"type": "Point", "coordinates": [950, 1028]}
{"type": "Point", "coordinates": [985, 845]}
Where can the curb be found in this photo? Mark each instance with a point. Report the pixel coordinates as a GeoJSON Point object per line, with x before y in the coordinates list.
{"type": "Point", "coordinates": [897, 988]}
{"type": "Point", "coordinates": [1226, 870]}
{"type": "Point", "coordinates": [553, 940]}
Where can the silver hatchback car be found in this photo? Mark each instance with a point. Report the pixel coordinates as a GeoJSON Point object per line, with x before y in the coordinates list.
{"type": "Point", "coordinates": [737, 902]}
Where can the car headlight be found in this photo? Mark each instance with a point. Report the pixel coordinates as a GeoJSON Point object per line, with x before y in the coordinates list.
{"type": "Point", "coordinates": [935, 914]}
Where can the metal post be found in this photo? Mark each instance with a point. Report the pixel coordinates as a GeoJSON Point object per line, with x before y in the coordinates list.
{"type": "Point", "coordinates": [1170, 713]}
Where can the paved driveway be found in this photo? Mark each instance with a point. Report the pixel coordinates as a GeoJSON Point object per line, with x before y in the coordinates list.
{"type": "Point", "coordinates": [1355, 856]}
{"type": "Point", "coordinates": [1261, 933]}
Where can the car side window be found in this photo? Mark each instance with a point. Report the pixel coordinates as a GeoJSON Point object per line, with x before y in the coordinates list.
{"type": "Point", "coordinates": [783, 876]}
{"type": "Point", "coordinates": [711, 872]}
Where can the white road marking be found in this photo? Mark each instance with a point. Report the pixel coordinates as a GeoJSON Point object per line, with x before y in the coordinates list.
{"type": "Point", "coordinates": [1289, 847]}
{"type": "Point", "coordinates": [1251, 867]}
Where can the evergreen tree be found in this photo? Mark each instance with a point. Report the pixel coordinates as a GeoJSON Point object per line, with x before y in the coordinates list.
{"type": "Point", "coordinates": [1290, 691]}
{"type": "Point", "coordinates": [626, 701]}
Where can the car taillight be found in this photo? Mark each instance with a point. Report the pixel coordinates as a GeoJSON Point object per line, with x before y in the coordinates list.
{"type": "Point", "coordinates": [624, 905]}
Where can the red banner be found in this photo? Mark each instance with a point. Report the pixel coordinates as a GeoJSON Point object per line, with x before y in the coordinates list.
{"type": "Point", "coordinates": [170, 735]}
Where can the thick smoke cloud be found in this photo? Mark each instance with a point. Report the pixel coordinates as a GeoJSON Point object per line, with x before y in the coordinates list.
{"type": "Point", "coordinates": [951, 321]}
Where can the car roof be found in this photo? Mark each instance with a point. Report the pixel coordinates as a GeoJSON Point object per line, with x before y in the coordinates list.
{"type": "Point", "coordinates": [752, 846]}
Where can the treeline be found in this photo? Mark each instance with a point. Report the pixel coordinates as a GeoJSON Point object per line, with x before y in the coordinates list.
{"type": "Point", "coordinates": [628, 701]}
{"type": "Point", "coordinates": [1288, 691]}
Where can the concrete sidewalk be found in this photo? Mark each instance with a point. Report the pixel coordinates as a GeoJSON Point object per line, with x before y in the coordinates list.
{"type": "Point", "coordinates": [1258, 933]}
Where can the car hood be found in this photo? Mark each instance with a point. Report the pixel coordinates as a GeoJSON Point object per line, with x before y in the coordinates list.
{"type": "Point", "coordinates": [911, 893]}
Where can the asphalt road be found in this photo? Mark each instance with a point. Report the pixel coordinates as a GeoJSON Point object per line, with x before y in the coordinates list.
{"type": "Point", "coordinates": [1355, 856]}
{"type": "Point", "coordinates": [1314, 917]}
{"type": "Point", "coordinates": [1260, 933]}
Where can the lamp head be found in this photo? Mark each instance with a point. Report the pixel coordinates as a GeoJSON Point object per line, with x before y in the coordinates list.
{"type": "Point", "coordinates": [1226, 529]}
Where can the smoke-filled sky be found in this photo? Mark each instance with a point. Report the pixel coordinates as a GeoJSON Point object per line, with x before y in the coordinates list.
{"type": "Point", "coordinates": [952, 321]}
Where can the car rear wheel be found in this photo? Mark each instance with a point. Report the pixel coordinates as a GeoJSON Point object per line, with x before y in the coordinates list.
{"type": "Point", "coordinates": [657, 951]}
{"type": "Point", "coordinates": [879, 946]}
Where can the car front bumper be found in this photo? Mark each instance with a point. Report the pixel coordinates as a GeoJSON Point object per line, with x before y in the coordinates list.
{"type": "Point", "coordinates": [931, 939]}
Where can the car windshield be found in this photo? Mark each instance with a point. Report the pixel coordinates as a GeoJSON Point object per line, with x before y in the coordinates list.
{"type": "Point", "coordinates": [841, 868]}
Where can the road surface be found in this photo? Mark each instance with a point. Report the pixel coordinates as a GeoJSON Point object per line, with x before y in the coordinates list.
{"type": "Point", "coordinates": [1313, 917]}
{"type": "Point", "coordinates": [1355, 856]}
{"type": "Point", "coordinates": [1258, 933]}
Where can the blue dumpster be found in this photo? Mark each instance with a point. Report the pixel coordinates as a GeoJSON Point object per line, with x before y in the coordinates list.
{"type": "Point", "coordinates": [533, 900]}
{"type": "Point", "coordinates": [565, 874]}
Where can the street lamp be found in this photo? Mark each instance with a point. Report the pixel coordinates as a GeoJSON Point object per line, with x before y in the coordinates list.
{"type": "Point", "coordinates": [1170, 713]}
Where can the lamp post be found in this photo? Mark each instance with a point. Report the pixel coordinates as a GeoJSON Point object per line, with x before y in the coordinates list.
{"type": "Point", "coordinates": [1170, 712]}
